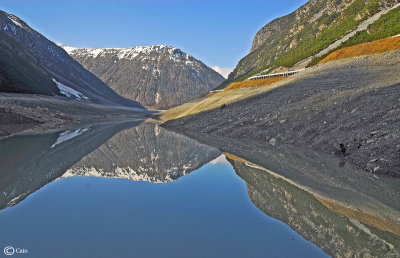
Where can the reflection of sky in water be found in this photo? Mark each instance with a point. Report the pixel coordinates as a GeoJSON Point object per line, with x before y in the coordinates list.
{"type": "Point", "coordinates": [206, 213]}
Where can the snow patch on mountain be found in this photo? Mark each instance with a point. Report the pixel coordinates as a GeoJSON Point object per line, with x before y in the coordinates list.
{"type": "Point", "coordinates": [67, 49]}
{"type": "Point", "coordinates": [9, 27]}
{"type": "Point", "coordinates": [15, 20]}
{"type": "Point", "coordinates": [69, 92]}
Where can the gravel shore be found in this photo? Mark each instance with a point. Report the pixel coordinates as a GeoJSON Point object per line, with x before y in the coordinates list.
{"type": "Point", "coordinates": [348, 108]}
{"type": "Point", "coordinates": [21, 112]}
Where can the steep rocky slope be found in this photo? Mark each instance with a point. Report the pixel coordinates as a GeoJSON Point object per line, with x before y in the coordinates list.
{"type": "Point", "coordinates": [158, 76]}
{"type": "Point", "coordinates": [30, 63]}
{"type": "Point", "coordinates": [307, 31]}
{"type": "Point", "coordinates": [354, 102]}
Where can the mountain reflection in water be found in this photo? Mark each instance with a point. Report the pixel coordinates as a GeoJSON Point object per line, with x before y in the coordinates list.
{"type": "Point", "coordinates": [132, 150]}
{"type": "Point", "coordinates": [94, 209]}
{"type": "Point", "coordinates": [145, 153]}
{"type": "Point", "coordinates": [339, 232]}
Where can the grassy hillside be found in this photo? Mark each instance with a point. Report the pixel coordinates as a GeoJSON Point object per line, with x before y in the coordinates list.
{"type": "Point", "coordinates": [307, 31]}
{"type": "Point", "coordinates": [387, 25]}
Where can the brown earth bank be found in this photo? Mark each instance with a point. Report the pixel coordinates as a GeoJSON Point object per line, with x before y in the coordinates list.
{"type": "Point", "coordinates": [22, 112]}
{"type": "Point", "coordinates": [377, 46]}
{"type": "Point", "coordinates": [254, 83]}
{"type": "Point", "coordinates": [348, 108]}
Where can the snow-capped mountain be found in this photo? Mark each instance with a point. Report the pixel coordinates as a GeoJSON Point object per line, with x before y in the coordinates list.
{"type": "Point", "coordinates": [30, 63]}
{"type": "Point", "coordinates": [155, 76]}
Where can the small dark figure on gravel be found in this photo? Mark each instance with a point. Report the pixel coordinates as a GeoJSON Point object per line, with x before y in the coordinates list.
{"type": "Point", "coordinates": [343, 148]}
{"type": "Point", "coordinates": [223, 106]}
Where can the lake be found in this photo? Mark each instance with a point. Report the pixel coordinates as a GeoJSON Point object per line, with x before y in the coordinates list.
{"type": "Point", "coordinates": [134, 189]}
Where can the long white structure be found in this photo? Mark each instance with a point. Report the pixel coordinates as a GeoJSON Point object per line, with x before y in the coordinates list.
{"type": "Point", "coordinates": [258, 77]}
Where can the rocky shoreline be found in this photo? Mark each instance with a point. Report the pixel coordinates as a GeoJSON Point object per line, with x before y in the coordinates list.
{"type": "Point", "coordinates": [23, 112]}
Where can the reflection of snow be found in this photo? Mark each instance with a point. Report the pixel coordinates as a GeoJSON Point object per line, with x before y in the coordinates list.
{"type": "Point", "coordinates": [68, 135]}
{"type": "Point", "coordinates": [157, 130]}
{"type": "Point", "coordinates": [125, 173]}
{"type": "Point", "coordinates": [220, 160]}
{"type": "Point", "coordinates": [67, 91]}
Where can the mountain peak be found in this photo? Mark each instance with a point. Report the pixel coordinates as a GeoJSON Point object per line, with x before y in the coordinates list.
{"type": "Point", "coordinates": [129, 53]}
{"type": "Point", "coordinates": [158, 76]}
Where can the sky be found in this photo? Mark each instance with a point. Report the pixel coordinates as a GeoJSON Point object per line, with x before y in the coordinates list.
{"type": "Point", "coordinates": [219, 33]}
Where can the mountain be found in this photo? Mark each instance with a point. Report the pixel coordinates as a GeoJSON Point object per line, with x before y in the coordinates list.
{"type": "Point", "coordinates": [313, 30]}
{"type": "Point", "coordinates": [30, 63]}
{"type": "Point", "coordinates": [157, 77]}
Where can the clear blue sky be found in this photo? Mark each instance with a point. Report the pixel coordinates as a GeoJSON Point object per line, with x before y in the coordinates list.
{"type": "Point", "coordinates": [216, 32]}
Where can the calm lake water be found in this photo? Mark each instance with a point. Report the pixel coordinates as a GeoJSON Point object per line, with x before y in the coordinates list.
{"type": "Point", "coordinates": [136, 190]}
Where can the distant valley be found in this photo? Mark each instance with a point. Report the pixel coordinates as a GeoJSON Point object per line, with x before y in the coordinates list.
{"type": "Point", "coordinates": [42, 86]}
